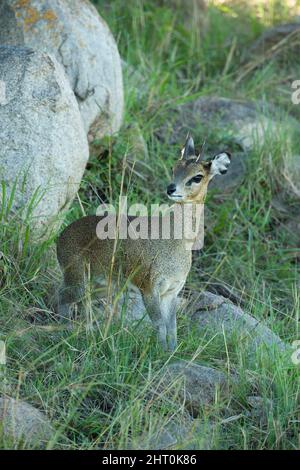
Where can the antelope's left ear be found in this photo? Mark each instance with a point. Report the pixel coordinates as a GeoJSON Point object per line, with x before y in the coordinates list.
{"type": "Point", "coordinates": [220, 163]}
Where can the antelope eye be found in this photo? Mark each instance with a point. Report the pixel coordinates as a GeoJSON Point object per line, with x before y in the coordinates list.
{"type": "Point", "coordinates": [196, 179]}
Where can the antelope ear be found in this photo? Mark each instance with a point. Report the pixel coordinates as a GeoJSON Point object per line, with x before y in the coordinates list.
{"type": "Point", "coordinates": [188, 150]}
{"type": "Point", "coordinates": [220, 163]}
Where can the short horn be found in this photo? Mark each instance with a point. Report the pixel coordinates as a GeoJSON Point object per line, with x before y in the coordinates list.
{"type": "Point", "coordinates": [188, 150]}
{"type": "Point", "coordinates": [201, 154]}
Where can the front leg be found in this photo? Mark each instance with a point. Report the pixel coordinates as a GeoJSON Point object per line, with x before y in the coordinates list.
{"type": "Point", "coordinates": [153, 307]}
{"type": "Point", "coordinates": [169, 308]}
{"type": "Point", "coordinates": [172, 329]}
{"type": "Point", "coordinates": [169, 305]}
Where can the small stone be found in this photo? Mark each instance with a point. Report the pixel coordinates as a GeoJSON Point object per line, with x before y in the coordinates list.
{"type": "Point", "coordinates": [188, 434]}
{"type": "Point", "coordinates": [261, 409]}
{"type": "Point", "coordinates": [21, 422]}
{"type": "Point", "coordinates": [194, 385]}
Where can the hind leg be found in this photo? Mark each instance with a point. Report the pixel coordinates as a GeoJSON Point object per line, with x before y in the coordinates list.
{"type": "Point", "coordinates": [73, 289]}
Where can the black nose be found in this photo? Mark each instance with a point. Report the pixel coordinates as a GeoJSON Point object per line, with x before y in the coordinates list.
{"type": "Point", "coordinates": [171, 189]}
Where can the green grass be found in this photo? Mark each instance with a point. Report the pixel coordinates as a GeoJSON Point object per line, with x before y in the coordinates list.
{"type": "Point", "coordinates": [96, 385]}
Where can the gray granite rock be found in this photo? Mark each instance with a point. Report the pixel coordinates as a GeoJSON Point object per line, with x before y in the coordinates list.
{"type": "Point", "coordinates": [42, 139]}
{"type": "Point", "coordinates": [287, 32]}
{"type": "Point", "coordinates": [232, 320]}
{"type": "Point", "coordinates": [194, 385]}
{"type": "Point", "coordinates": [188, 434]}
{"type": "Point", "coordinates": [21, 422]}
{"type": "Point", "coordinates": [74, 32]}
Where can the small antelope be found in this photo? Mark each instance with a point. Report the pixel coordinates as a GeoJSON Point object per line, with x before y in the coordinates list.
{"type": "Point", "coordinates": [158, 267]}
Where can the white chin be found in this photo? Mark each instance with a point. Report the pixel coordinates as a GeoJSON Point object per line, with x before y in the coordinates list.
{"type": "Point", "coordinates": [175, 197]}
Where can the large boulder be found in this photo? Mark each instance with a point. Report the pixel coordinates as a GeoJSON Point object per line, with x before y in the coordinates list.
{"type": "Point", "coordinates": [291, 174]}
{"type": "Point", "coordinates": [21, 423]}
{"type": "Point", "coordinates": [282, 38]}
{"type": "Point", "coordinates": [81, 41]}
{"type": "Point", "coordinates": [236, 125]}
{"type": "Point", "coordinates": [42, 139]}
{"type": "Point", "coordinates": [219, 315]}
{"type": "Point", "coordinates": [245, 122]}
